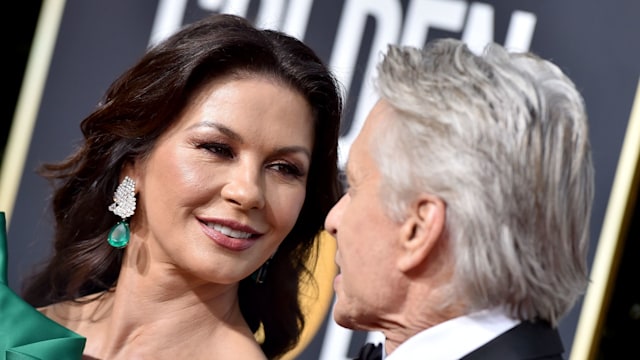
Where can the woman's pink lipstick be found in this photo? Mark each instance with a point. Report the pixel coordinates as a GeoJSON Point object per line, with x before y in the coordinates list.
{"type": "Point", "coordinates": [227, 242]}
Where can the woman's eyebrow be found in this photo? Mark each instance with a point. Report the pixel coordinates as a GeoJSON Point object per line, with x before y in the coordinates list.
{"type": "Point", "coordinates": [223, 129]}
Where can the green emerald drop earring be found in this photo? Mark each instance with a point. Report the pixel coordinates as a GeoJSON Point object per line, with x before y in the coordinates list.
{"type": "Point", "coordinates": [124, 205]}
{"type": "Point", "coordinates": [260, 275]}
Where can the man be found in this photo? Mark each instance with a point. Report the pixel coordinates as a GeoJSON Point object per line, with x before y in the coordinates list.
{"type": "Point", "coordinates": [464, 230]}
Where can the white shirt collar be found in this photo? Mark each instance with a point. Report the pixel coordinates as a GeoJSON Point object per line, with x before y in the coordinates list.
{"type": "Point", "coordinates": [455, 338]}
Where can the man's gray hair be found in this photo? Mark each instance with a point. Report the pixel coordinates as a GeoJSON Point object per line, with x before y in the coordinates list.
{"type": "Point", "coordinates": [502, 138]}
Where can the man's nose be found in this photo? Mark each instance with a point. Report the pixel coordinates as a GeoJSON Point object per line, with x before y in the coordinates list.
{"type": "Point", "coordinates": [333, 217]}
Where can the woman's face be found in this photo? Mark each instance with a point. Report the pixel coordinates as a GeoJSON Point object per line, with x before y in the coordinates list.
{"type": "Point", "coordinates": [225, 184]}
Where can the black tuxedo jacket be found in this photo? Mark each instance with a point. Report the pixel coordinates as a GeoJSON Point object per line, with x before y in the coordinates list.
{"type": "Point", "coordinates": [524, 341]}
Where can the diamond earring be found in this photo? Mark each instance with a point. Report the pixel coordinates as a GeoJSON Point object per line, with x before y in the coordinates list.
{"type": "Point", "coordinates": [124, 206]}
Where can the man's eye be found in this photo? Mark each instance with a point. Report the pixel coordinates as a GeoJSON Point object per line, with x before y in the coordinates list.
{"type": "Point", "coordinates": [344, 182]}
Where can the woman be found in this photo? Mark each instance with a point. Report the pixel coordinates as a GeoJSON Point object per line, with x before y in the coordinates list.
{"type": "Point", "coordinates": [210, 163]}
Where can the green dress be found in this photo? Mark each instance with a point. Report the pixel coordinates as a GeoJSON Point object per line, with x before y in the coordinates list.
{"type": "Point", "coordinates": [26, 334]}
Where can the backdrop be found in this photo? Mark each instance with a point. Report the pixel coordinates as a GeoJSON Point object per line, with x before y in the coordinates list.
{"type": "Point", "coordinates": [85, 44]}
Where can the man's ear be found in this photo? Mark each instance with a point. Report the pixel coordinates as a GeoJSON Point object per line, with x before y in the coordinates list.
{"type": "Point", "coordinates": [421, 231]}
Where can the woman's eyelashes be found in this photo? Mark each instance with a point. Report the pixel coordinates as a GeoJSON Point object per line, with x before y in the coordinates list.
{"type": "Point", "coordinates": [219, 149]}
{"type": "Point", "coordinates": [285, 168]}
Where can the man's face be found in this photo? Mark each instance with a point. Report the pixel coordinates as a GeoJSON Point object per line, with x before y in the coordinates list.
{"type": "Point", "coordinates": [365, 235]}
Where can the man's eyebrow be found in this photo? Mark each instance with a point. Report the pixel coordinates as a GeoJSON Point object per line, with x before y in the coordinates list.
{"type": "Point", "coordinates": [348, 172]}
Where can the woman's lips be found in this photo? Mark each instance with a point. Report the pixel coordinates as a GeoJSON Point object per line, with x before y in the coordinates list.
{"type": "Point", "coordinates": [232, 239]}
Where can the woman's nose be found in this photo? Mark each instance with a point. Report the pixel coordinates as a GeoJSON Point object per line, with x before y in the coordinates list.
{"type": "Point", "coordinates": [245, 188]}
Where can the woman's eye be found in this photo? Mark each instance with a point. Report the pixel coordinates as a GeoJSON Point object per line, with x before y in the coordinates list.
{"type": "Point", "coordinates": [287, 169]}
{"type": "Point", "coordinates": [219, 149]}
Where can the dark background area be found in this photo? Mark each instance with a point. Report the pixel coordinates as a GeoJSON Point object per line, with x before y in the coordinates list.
{"type": "Point", "coordinates": [18, 43]}
{"type": "Point", "coordinates": [621, 328]}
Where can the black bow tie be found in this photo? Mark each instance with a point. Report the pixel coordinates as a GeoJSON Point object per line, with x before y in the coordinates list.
{"type": "Point", "coordinates": [370, 352]}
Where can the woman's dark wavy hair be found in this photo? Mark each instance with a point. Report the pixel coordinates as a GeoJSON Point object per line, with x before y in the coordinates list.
{"type": "Point", "coordinates": [139, 107]}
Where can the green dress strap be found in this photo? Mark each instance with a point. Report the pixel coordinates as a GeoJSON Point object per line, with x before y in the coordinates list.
{"type": "Point", "coordinates": [25, 333]}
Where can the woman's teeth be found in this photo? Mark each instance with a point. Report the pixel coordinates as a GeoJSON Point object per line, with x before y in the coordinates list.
{"type": "Point", "coordinates": [230, 232]}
